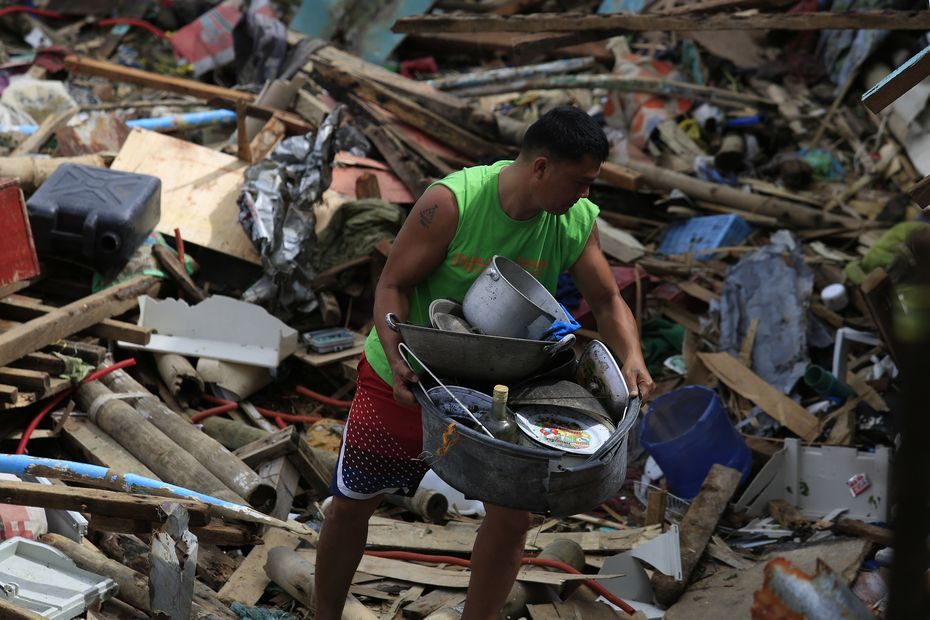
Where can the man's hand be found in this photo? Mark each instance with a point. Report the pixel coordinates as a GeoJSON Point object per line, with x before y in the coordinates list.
{"type": "Point", "coordinates": [404, 378]}
{"type": "Point", "coordinates": [638, 380]}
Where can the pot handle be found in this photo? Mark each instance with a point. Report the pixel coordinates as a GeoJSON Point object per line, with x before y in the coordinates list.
{"type": "Point", "coordinates": [567, 341]}
{"type": "Point", "coordinates": [391, 319]}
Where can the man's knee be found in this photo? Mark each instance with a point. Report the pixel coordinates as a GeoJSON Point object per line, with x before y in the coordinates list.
{"type": "Point", "coordinates": [514, 522]}
{"type": "Point", "coordinates": [347, 510]}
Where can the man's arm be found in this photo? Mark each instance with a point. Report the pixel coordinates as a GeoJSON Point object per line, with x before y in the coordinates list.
{"type": "Point", "coordinates": [420, 247]}
{"type": "Point", "coordinates": [615, 322]}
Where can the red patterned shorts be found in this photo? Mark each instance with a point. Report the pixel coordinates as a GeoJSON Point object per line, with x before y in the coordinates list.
{"type": "Point", "coordinates": [382, 443]}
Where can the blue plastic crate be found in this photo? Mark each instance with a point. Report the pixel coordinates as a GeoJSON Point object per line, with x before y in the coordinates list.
{"type": "Point", "coordinates": [704, 233]}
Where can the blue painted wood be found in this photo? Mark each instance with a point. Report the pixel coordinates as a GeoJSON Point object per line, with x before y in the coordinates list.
{"type": "Point", "coordinates": [898, 82]}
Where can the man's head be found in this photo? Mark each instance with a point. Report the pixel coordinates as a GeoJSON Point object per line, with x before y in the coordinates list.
{"type": "Point", "coordinates": [562, 153]}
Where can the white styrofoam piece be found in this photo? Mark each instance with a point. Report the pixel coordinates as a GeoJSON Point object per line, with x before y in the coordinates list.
{"type": "Point", "coordinates": [219, 327]}
{"type": "Point", "coordinates": [43, 579]}
{"type": "Point", "coordinates": [663, 553]}
{"type": "Point", "coordinates": [634, 585]}
{"type": "Point", "coordinates": [814, 478]}
{"type": "Point", "coordinates": [844, 336]}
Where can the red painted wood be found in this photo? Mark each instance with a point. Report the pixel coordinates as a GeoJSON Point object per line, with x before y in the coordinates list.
{"type": "Point", "coordinates": [18, 259]}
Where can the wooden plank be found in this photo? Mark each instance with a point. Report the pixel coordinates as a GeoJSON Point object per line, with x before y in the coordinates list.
{"type": "Point", "coordinates": [45, 130]}
{"type": "Point", "coordinates": [216, 533]}
{"type": "Point", "coordinates": [248, 583]}
{"type": "Point", "coordinates": [8, 393]}
{"type": "Point", "coordinates": [618, 23]}
{"type": "Point", "coordinates": [749, 385]}
{"type": "Point", "coordinates": [28, 380]}
{"type": "Point", "coordinates": [198, 197]}
{"type": "Point", "coordinates": [436, 599]}
{"type": "Point", "coordinates": [728, 593]}
{"type": "Point", "coordinates": [23, 308]}
{"type": "Point", "coordinates": [271, 446]}
{"type": "Point", "coordinates": [920, 192]}
{"type": "Point", "coordinates": [459, 537]}
{"type": "Point", "coordinates": [573, 610]}
{"type": "Point", "coordinates": [97, 502]}
{"type": "Point", "coordinates": [170, 262]}
{"type": "Point", "coordinates": [697, 527]}
{"type": "Point", "coordinates": [898, 82]}
{"type": "Point", "coordinates": [89, 353]}
{"type": "Point", "coordinates": [70, 319]}
{"type": "Point", "coordinates": [617, 243]}
{"type": "Point", "coordinates": [215, 95]}
{"type": "Point", "coordinates": [101, 449]}
{"type": "Point", "coordinates": [42, 361]}
{"type": "Point", "coordinates": [411, 112]}
{"type": "Point", "coordinates": [11, 611]}
{"type": "Point", "coordinates": [621, 176]}
{"type": "Point", "coordinates": [696, 290]}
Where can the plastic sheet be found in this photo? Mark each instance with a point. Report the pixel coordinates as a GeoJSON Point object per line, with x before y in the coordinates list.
{"type": "Point", "coordinates": [276, 209]}
{"type": "Point", "coordinates": [774, 285]}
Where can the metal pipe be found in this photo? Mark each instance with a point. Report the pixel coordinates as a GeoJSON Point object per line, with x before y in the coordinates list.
{"type": "Point", "coordinates": [173, 122]}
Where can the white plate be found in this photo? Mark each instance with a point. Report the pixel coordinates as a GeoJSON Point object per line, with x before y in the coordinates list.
{"type": "Point", "coordinates": [568, 430]}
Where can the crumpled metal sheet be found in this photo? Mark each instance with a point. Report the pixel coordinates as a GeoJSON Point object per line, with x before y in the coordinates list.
{"type": "Point", "coordinates": [789, 594]}
{"type": "Point", "coordinates": [276, 209]}
{"type": "Point", "coordinates": [773, 285]}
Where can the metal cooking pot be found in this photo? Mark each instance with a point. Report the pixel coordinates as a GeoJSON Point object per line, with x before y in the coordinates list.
{"type": "Point", "coordinates": [505, 300]}
{"type": "Point", "coordinates": [477, 358]}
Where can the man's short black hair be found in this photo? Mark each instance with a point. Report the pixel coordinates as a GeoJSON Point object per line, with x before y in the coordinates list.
{"type": "Point", "coordinates": [568, 134]}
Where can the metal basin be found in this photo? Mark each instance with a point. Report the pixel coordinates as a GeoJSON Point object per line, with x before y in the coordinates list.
{"type": "Point", "coordinates": [560, 393]}
{"type": "Point", "coordinates": [477, 358]}
{"type": "Point", "coordinates": [505, 300]}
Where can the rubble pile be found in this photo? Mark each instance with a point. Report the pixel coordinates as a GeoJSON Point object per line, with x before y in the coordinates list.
{"type": "Point", "coordinates": [197, 199]}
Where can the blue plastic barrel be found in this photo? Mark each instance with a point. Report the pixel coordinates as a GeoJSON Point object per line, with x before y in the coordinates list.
{"type": "Point", "coordinates": [686, 431]}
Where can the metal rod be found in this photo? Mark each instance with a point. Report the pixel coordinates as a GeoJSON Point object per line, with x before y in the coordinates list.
{"type": "Point", "coordinates": [401, 347]}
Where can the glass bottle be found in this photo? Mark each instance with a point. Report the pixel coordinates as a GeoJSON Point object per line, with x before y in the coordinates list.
{"type": "Point", "coordinates": [500, 422]}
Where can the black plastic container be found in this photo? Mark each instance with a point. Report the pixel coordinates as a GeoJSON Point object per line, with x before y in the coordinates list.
{"type": "Point", "coordinates": [98, 215]}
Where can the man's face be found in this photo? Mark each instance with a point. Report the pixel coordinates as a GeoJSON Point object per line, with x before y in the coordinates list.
{"type": "Point", "coordinates": [560, 184]}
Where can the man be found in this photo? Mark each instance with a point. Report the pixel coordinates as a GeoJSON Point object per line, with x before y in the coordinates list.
{"type": "Point", "coordinates": [533, 210]}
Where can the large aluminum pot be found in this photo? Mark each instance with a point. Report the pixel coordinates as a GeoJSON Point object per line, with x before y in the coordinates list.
{"type": "Point", "coordinates": [505, 300]}
{"type": "Point", "coordinates": [478, 358]}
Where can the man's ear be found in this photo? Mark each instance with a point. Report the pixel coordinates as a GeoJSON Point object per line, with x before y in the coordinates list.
{"type": "Point", "coordinates": [540, 165]}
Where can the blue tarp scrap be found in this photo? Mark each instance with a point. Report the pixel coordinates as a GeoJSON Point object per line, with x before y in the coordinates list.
{"type": "Point", "coordinates": [773, 285]}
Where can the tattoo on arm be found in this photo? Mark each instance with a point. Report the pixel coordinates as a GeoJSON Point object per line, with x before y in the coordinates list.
{"type": "Point", "coordinates": [427, 215]}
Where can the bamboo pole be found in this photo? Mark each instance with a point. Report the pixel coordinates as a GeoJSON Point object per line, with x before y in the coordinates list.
{"type": "Point", "coordinates": [210, 453]}
{"type": "Point", "coordinates": [147, 443]}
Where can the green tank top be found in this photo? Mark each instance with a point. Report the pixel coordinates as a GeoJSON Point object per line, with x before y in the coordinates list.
{"type": "Point", "coordinates": [545, 245]}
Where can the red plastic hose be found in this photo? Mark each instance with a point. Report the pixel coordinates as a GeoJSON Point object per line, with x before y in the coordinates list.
{"type": "Point", "coordinates": [21, 447]}
{"type": "Point", "coordinates": [110, 21]}
{"type": "Point", "coordinates": [179, 241]}
{"type": "Point", "coordinates": [326, 400]}
{"type": "Point", "coordinates": [225, 406]}
{"type": "Point", "coordinates": [409, 556]}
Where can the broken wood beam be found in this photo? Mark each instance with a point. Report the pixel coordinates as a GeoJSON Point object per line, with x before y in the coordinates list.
{"type": "Point", "coordinates": [619, 23]}
{"type": "Point", "coordinates": [247, 584]}
{"type": "Point", "coordinates": [22, 308]}
{"type": "Point", "coordinates": [99, 448]}
{"type": "Point", "coordinates": [214, 95]}
{"type": "Point", "coordinates": [898, 82]}
{"type": "Point", "coordinates": [792, 213]}
{"type": "Point", "coordinates": [72, 318]}
{"type": "Point", "coordinates": [411, 112]}
{"type": "Point", "coordinates": [620, 176]}
{"type": "Point", "coordinates": [27, 380]}
{"type": "Point", "coordinates": [96, 501]}
{"type": "Point", "coordinates": [295, 575]}
{"type": "Point", "coordinates": [169, 262]}
{"type": "Point", "coordinates": [45, 130]}
{"type": "Point", "coordinates": [749, 385]}
{"type": "Point", "coordinates": [696, 528]}
{"type": "Point", "coordinates": [208, 452]}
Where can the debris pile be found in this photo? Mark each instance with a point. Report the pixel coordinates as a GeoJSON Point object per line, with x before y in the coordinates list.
{"type": "Point", "coordinates": [198, 199]}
